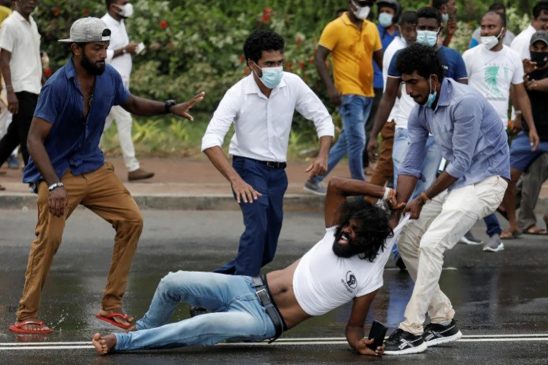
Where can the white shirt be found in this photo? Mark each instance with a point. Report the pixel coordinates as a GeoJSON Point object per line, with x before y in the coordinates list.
{"type": "Point", "coordinates": [21, 38]}
{"type": "Point", "coordinates": [262, 124]}
{"type": "Point", "coordinates": [323, 281]}
{"type": "Point", "coordinates": [492, 74]}
{"type": "Point", "coordinates": [118, 39]}
{"type": "Point", "coordinates": [404, 103]}
{"type": "Point", "coordinates": [520, 44]}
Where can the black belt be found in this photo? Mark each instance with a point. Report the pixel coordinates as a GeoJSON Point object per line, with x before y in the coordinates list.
{"type": "Point", "coordinates": [271, 164]}
{"type": "Point", "coordinates": [261, 289]}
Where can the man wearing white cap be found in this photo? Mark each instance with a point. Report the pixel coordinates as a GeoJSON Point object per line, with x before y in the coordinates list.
{"type": "Point", "coordinates": [67, 168]}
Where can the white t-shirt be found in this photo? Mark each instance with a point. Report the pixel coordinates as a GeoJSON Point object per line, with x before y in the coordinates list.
{"type": "Point", "coordinates": [323, 281]}
{"type": "Point", "coordinates": [21, 38]}
{"type": "Point", "coordinates": [118, 39]}
{"type": "Point", "coordinates": [520, 44]}
{"type": "Point", "coordinates": [403, 104]}
{"type": "Point", "coordinates": [492, 73]}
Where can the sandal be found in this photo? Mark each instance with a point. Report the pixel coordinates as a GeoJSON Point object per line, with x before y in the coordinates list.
{"type": "Point", "coordinates": [30, 327]}
{"type": "Point", "coordinates": [536, 231]}
{"type": "Point", "coordinates": [509, 235]}
{"type": "Point", "coordinates": [117, 319]}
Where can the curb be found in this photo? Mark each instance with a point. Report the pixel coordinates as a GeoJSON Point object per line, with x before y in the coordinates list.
{"type": "Point", "coordinates": [292, 202]}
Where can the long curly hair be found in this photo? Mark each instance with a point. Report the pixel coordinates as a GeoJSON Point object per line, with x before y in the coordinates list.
{"type": "Point", "coordinates": [373, 227]}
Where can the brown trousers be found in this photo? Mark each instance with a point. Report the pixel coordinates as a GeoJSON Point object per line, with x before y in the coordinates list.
{"type": "Point", "coordinates": [384, 171]}
{"type": "Point", "coordinates": [103, 193]}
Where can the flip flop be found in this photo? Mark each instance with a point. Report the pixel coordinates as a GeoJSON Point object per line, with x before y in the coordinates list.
{"type": "Point", "coordinates": [40, 329]}
{"type": "Point", "coordinates": [536, 231]}
{"type": "Point", "coordinates": [111, 318]}
{"type": "Point", "coordinates": [508, 235]}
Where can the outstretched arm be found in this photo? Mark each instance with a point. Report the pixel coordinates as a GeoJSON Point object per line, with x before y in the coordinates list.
{"type": "Point", "coordinates": [355, 333]}
{"type": "Point", "coordinates": [339, 188]}
{"type": "Point", "coordinates": [141, 106]}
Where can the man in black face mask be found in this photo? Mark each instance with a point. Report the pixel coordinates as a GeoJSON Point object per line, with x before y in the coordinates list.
{"type": "Point", "coordinates": [67, 168]}
{"type": "Point", "coordinates": [523, 152]}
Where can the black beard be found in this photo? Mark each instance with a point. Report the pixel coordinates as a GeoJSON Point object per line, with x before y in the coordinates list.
{"type": "Point", "coordinates": [344, 251]}
{"type": "Point", "coordinates": [91, 68]}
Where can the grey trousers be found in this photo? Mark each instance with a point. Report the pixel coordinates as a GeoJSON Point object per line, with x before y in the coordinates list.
{"type": "Point", "coordinates": [530, 190]}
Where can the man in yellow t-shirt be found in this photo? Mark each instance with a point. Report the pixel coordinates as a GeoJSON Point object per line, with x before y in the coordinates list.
{"type": "Point", "coordinates": [5, 9]}
{"type": "Point", "coordinates": [353, 42]}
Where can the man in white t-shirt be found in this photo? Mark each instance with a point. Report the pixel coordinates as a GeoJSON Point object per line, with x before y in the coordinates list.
{"type": "Point", "coordinates": [119, 56]}
{"type": "Point", "coordinates": [539, 22]}
{"type": "Point", "coordinates": [345, 265]}
{"type": "Point", "coordinates": [494, 69]}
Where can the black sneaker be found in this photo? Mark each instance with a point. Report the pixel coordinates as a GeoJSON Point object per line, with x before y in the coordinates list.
{"type": "Point", "coordinates": [401, 342]}
{"type": "Point", "coordinates": [436, 334]}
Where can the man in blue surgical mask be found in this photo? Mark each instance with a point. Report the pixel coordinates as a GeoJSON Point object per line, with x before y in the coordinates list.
{"type": "Point", "coordinates": [261, 107]}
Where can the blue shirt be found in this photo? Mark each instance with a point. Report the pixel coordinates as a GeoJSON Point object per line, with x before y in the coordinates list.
{"type": "Point", "coordinates": [451, 61]}
{"type": "Point", "coordinates": [469, 132]}
{"type": "Point", "coordinates": [386, 39]}
{"type": "Point", "coordinates": [73, 141]}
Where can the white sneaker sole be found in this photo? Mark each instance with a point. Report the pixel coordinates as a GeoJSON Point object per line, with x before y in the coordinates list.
{"type": "Point", "coordinates": [439, 341]}
{"type": "Point", "coordinates": [413, 350]}
{"type": "Point", "coordinates": [468, 242]}
{"type": "Point", "coordinates": [315, 192]}
{"type": "Point", "coordinates": [491, 249]}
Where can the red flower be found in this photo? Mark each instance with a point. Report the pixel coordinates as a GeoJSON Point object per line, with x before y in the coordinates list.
{"type": "Point", "coordinates": [163, 24]}
{"type": "Point", "coordinates": [48, 72]}
{"type": "Point", "coordinates": [267, 12]}
{"type": "Point", "coordinates": [56, 11]}
{"type": "Point", "coordinates": [85, 12]}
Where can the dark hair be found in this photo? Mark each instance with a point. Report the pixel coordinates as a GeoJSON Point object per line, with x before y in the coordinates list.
{"type": "Point", "coordinates": [262, 40]}
{"type": "Point", "coordinates": [109, 2]}
{"type": "Point", "coordinates": [429, 13]}
{"type": "Point", "coordinates": [373, 227]}
{"type": "Point", "coordinates": [542, 5]}
{"type": "Point", "coordinates": [436, 4]}
{"type": "Point", "coordinates": [420, 58]}
{"type": "Point", "coordinates": [502, 17]}
{"type": "Point", "coordinates": [497, 6]}
{"type": "Point", "coordinates": [408, 17]}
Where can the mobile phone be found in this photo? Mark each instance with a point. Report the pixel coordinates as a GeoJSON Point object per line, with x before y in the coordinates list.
{"type": "Point", "coordinates": [140, 48]}
{"type": "Point", "coordinates": [377, 333]}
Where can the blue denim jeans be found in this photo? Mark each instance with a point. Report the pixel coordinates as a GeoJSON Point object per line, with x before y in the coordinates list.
{"type": "Point", "coordinates": [429, 166]}
{"type": "Point", "coordinates": [354, 111]}
{"type": "Point", "coordinates": [236, 313]}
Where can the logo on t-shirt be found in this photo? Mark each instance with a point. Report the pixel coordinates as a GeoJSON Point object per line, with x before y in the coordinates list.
{"type": "Point", "coordinates": [350, 281]}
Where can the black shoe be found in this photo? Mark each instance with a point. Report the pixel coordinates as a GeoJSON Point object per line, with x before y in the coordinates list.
{"type": "Point", "coordinates": [401, 342]}
{"type": "Point", "coordinates": [436, 334]}
{"type": "Point", "coordinates": [196, 311]}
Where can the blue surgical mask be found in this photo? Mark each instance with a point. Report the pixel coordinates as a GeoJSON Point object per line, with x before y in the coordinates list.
{"type": "Point", "coordinates": [272, 76]}
{"type": "Point", "coordinates": [385, 19]}
{"type": "Point", "coordinates": [427, 37]}
{"type": "Point", "coordinates": [431, 96]}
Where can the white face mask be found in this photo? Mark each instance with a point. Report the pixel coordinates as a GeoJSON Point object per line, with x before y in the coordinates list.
{"type": "Point", "coordinates": [427, 37]}
{"type": "Point", "coordinates": [491, 41]}
{"type": "Point", "coordinates": [361, 12]}
{"type": "Point", "coordinates": [445, 17]}
{"type": "Point", "coordinates": [126, 11]}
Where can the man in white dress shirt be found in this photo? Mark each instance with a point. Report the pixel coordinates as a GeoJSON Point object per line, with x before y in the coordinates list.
{"type": "Point", "coordinates": [539, 22]}
{"type": "Point", "coordinates": [261, 107]}
{"type": "Point", "coordinates": [119, 56]}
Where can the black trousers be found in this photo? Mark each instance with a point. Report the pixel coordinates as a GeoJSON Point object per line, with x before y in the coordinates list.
{"type": "Point", "coordinates": [18, 130]}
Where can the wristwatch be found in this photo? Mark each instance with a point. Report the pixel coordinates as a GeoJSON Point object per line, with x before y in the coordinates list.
{"type": "Point", "coordinates": [55, 185]}
{"type": "Point", "coordinates": [168, 104]}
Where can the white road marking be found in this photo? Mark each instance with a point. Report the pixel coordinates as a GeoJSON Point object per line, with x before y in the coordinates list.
{"type": "Point", "coordinates": [305, 341]}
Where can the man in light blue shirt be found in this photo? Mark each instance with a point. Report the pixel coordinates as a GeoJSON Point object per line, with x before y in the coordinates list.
{"type": "Point", "coordinates": [472, 139]}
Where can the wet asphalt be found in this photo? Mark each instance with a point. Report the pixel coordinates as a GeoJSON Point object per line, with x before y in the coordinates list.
{"type": "Point", "coordinates": [501, 299]}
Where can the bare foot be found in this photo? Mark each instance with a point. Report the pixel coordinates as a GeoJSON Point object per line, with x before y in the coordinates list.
{"type": "Point", "coordinates": [103, 344]}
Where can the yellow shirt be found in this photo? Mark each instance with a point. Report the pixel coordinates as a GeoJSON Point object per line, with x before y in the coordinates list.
{"type": "Point", "coordinates": [4, 13]}
{"type": "Point", "coordinates": [352, 50]}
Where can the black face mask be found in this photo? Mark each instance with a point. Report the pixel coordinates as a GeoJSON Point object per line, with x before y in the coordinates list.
{"type": "Point", "coordinates": [92, 68]}
{"type": "Point", "coordinates": [540, 58]}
